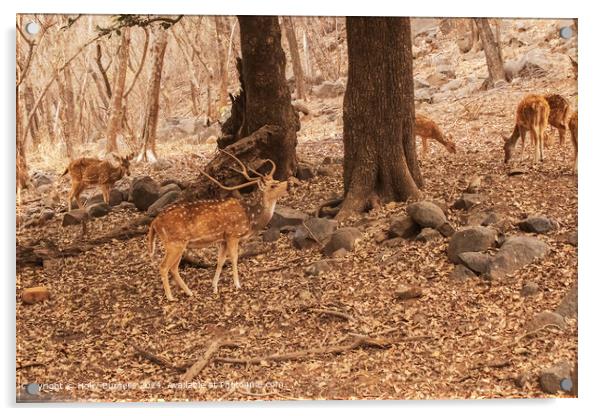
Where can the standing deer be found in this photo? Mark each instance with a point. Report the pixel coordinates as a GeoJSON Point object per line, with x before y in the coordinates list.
{"type": "Point", "coordinates": [560, 112]}
{"type": "Point", "coordinates": [532, 116]}
{"type": "Point", "coordinates": [428, 129]}
{"type": "Point", "coordinates": [225, 222]}
{"type": "Point", "coordinates": [573, 127]}
{"type": "Point", "coordinates": [86, 172]}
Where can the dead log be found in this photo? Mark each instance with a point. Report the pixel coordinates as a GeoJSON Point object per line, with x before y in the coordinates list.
{"type": "Point", "coordinates": [199, 365]}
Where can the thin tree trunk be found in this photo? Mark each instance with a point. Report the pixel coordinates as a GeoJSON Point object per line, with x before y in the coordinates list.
{"type": "Point", "coordinates": [35, 124]}
{"type": "Point", "coordinates": [48, 113]}
{"type": "Point", "coordinates": [493, 53]}
{"type": "Point", "coordinates": [221, 34]}
{"type": "Point", "coordinates": [21, 167]}
{"type": "Point", "coordinates": [64, 114]}
{"type": "Point", "coordinates": [307, 54]}
{"type": "Point", "coordinates": [151, 115]}
{"type": "Point", "coordinates": [378, 114]}
{"type": "Point", "coordinates": [291, 38]}
{"type": "Point", "coordinates": [116, 112]}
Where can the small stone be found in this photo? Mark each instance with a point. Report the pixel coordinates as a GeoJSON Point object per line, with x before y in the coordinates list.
{"type": "Point", "coordinates": [404, 227]}
{"type": "Point", "coordinates": [515, 253]}
{"type": "Point", "coordinates": [529, 289]}
{"type": "Point", "coordinates": [476, 238]}
{"type": "Point", "coordinates": [570, 237]}
{"type": "Point", "coordinates": [520, 379]}
{"type": "Point", "coordinates": [467, 201]}
{"type": "Point", "coordinates": [98, 210]}
{"type": "Point", "coordinates": [318, 267]}
{"type": "Point", "coordinates": [271, 234]}
{"type": "Point", "coordinates": [428, 234]}
{"type": "Point", "coordinates": [537, 225]}
{"type": "Point", "coordinates": [342, 238]}
{"type": "Point", "coordinates": [475, 261]}
{"type": "Point", "coordinates": [462, 272]}
{"type": "Point", "coordinates": [305, 171]}
{"type": "Point", "coordinates": [408, 292]}
{"type": "Point", "coordinates": [551, 378]}
{"type": "Point", "coordinates": [568, 306]}
{"type": "Point", "coordinates": [339, 254]}
{"type": "Point", "coordinates": [426, 214]}
{"type": "Point", "coordinates": [35, 294]}
{"type": "Point", "coordinates": [75, 217]}
{"type": "Point", "coordinates": [327, 171]}
{"type": "Point", "coordinates": [545, 318]}
{"type": "Point", "coordinates": [482, 218]}
{"type": "Point", "coordinates": [46, 215]}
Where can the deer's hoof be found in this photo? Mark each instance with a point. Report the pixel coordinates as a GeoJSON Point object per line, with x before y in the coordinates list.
{"type": "Point", "coordinates": [189, 293]}
{"type": "Point", "coordinates": [171, 299]}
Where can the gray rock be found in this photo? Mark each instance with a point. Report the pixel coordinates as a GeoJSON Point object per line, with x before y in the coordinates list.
{"type": "Point", "coordinates": [169, 188]}
{"type": "Point", "coordinates": [305, 171]}
{"type": "Point", "coordinates": [327, 170]}
{"type": "Point", "coordinates": [570, 237]}
{"type": "Point", "coordinates": [329, 89]}
{"type": "Point", "coordinates": [426, 214]}
{"type": "Point", "coordinates": [475, 238]}
{"type": "Point", "coordinates": [537, 225]}
{"type": "Point", "coordinates": [568, 306]}
{"type": "Point", "coordinates": [515, 253]}
{"type": "Point", "coordinates": [467, 201]}
{"type": "Point", "coordinates": [428, 234]}
{"type": "Point", "coordinates": [126, 206]}
{"type": "Point", "coordinates": [452, 85]}
{"type": "Point", "coordinates": [160, 165]}
{"type": "Point", "coordinates": [74, 217]}
{"type": "Point", "coordinates": [404, 227]}
{"type": "Point", "coordinates": [271, 234]}
{"type": "Point", "coordinates": [284, 216]}
{"type": "Point", "coordinates": [551, 378]}
{"type": "Point", "coordinates": [446, 229]}
{"type": "Point", "coordinates": [46, 215]}
{"type": "Point", "coordinates": [545, 318]}
{"type": "Point", "coordinates": [318, 267]}
{"type": "Point", "coordinates": [98, 210]}
{"type": "Point", "coordinates": [161, 203]}
{"type": "Point", "coordinates": [144, 192]}
{"type": "Point", "coordinates": [462, 272]}
{"type": "Point", "coordinates": [446, 70]}
{"type": "Point", "coordinates": [475, 261]}
{"type": "Point", "coordinates": [529, 289]}
{"type": "Point", "coordinates": [482, 218]}
{"type": "Point", "coordinates": [115, 198]}
{"type": "Point", "coordinates": [342, 238]}
{"type": "Point", "coordinates": [40, 179]}
{"type": "Point", "coordinates": [313, 231]}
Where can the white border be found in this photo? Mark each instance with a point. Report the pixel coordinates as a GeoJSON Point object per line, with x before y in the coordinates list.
{"type": "Point", "coordinates": [589, 217]}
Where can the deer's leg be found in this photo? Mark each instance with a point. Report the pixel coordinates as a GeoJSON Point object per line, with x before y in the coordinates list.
{"type": "Point", "coordinates": [76, 193]}
{"type": "Point", "coordinates": [523, 139]}
{"type": "Point", "coordinates": [221, 259]}
{"type": "Point", "coordinates": [424, 147]}
{"type": "Point", "coordinates": [105, 193]}
{"type": "Point", "coordinates": [233, 253]}
{"type": "Point", "coordinates": [70, 196]}
{"type": "Point", "coordinates": [176, 274]}
{"type": "Point", "coordinates": [561, 133]}
{"type": "Point", "coordinates": [173, 253]}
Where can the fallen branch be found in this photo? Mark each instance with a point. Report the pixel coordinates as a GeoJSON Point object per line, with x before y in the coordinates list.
{"type": "Point", "coordinates": [333, 312]}
{"type": "Point", "coordinates": [199, 365]}
{"type": "Point", "coordinates": [155, 358]}
{"type": "Point", "coordinates": [517, 340]}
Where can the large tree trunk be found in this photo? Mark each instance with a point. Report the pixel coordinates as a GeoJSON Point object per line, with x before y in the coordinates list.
{"type": "Point", "coordinates": [151, 115]}
{"type": "Point", "coordinates": [35, 124]}
{"type": "Point", "coordinates": [291, 38]}
{"type": "Point", "coordinates": [493, 53]}
{"type": "Point", "coordinates": [378, 114]}
{"type": "Point", "coordinates": [221, 34]}
{"type": "Point", "coordinates": [116, 113]}
{"type": "Point", "coordinates": [264, 98]}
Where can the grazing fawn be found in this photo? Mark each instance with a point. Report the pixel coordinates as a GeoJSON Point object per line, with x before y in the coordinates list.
{"type": "Point", "coordinates": [428, 129]}
{"type": "Point", "coordinates": [532, 116]}
{"type": "Point", "coordinates": [225, 222]}
{"type": "Point", "coordinates": [573, 129]}
{"type": "Point", "coordinates": [560, 112]}
{"type": "Point", "coordinates": [86, 172]}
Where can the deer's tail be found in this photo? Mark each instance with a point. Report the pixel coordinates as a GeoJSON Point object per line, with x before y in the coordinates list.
{"type": "Point", "coordinates": [66, 171]}
{"type": "Point", "coordinates": [151, 238]}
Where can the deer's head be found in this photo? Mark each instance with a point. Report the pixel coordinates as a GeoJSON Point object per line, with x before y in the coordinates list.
{"type": "Point", "coordinates": [450, 145]}
{"type": "Point", "coordinates": [509, 145]}
{"type": "Point", "coordinates": [124, 163]}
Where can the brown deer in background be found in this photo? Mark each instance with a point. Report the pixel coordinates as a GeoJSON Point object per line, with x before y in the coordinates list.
{"type": "Point", "coordinates": [428, 129]}
{"type": "Point", "coordinates": [532, 116]}
{"type": "Point", "coordinates": [560, 112]}
{"type": "Point", "coordinates": [86, 172]}
{"type": "Point", "coordinates": [225, 222]}
{"type": "Point", "coordinates": [573, 127]}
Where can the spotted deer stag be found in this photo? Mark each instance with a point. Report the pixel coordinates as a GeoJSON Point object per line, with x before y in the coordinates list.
{"type": "Point", "coordinates": [428, 129]}
{"type": "Point", "coordinates": [225, 222]}
{"type": "Point", "coordinates": [86, 172]}
{"type": "Point", "coordinates": [532, 116]}
{"type": "Point", "coordinates": [560, 112]}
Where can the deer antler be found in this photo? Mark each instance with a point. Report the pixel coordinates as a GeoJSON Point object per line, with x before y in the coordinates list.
{"type": "Point", "coordinates": [244, 172]}
{"type": "Point", "coordinates": [231, 188]}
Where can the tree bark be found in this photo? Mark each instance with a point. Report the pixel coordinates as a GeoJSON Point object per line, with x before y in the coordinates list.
{"type": "Point", "coordinates": [151, 115]}
{"type": "Point", "coordinates": [291, 38]}
{"type": "Point", "coordinates": [221, 34]}
{"type": "Point", "coordinates": [378, 114]}
{"type": "Point", "coordinates": [64, 114]}
{"type": "Point", "coordinates": [116, 113]}
{"type": "Point", "coordinates": [264, 98]}
{"type": "Point", "coordinates": [493, 52]}
{"type": "Point", "coordinates": [21, 167]}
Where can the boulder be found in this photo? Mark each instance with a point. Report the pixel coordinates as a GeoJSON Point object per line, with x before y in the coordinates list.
{"type": "Point", "coordinates": [462, 272]}
{"type": "Point", "coordinates": [39, 179]}
{"type": "Point", "coordinates": [169, 188]}
{"type": "Point", "coordinates": [342, 238]}
{"type": "Point", "coordinates": [556, 378]}
{"type": "Point", "coordinates": [404, 227]}
{"type": "Point", "coordinates": [313, 231]}
{"type": "Point", "coordinates": [115, 198]}
{"type": "Point", "coordinates": [545, 318]}
{"type": "Point", "coordinates": [36, 294]}
{"type": "Point", "coordinates": [467, 201]}
{"type": "Point", "coordinates": [476, 238]}
{"type": "Point", "coordinates": [475, 261]}
{"type": "Point", "coordinates": [483, 218]}
{"type": "Point", "coordinates": [271, 234]}
{"type": "Point", "coordinates": [537, 225]}
{"type": "Point", "coordinates": [287, 216]}
{"type": "Point", "coordinates": [160, 204]}
{"type": "Point", "coordinates": [305, 171]}
{"type": "Point", "coordinates": [144, 191]}
{"type": "Point", "coordinates": [568, 306]}
{"type": "Point", "coordinates": [428, 234]}
{"type": "Point", "coordinates": [98, 210]}
{"type": "Point", "coordinates": [446, 229]}
{"type": "Point", "coordinates": [515, 253]}
{"type": "Point", "coordinates": [75, 217]}
{"type": "Point", "coordinates": [426, 214]}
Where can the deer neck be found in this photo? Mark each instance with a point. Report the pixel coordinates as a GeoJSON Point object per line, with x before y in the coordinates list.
{"type": "Point", "coordinates": [116, 173]}
{"type": "Point", "coordinates": [260, 211]}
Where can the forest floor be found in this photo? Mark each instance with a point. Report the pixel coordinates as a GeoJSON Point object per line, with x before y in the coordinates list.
{"type": "Point", "coordinates": [461, 339]}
